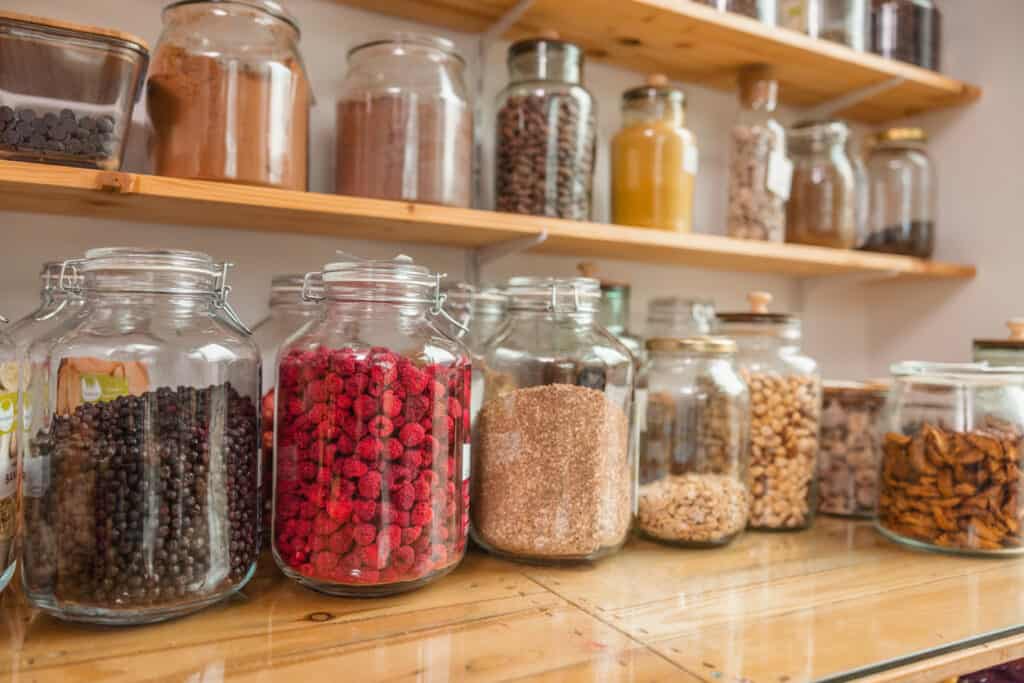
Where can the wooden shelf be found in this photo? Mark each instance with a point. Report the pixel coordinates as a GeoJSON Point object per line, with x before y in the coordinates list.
{"type": "Point", "coordinates": [695, 43]}
{"type": "Point", "coordinates": [125, 196]}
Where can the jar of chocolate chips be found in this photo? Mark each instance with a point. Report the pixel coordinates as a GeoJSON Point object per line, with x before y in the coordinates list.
{"type": "Point", "coordinates": [546, 132]}
{"type": "Point", "coordinates": [149, 432]}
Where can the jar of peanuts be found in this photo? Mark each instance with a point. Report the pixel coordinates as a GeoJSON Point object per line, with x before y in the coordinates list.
{"type": "Point", "coordinates": [371, 486]}
{"type": "Point", "coordinates": [785, 408]}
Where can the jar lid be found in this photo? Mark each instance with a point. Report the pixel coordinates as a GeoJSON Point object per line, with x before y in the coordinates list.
{"type": "Point", "coordinates": [1014, 342]}
{"type": "Point", "coordinates": [486, 300]}
{"type": "Point", "coordinates": [570, 294]}
{"type": "Point", "coordinates": [656, 87]}
{"type": "Point", "coordinates": [810, 131]}
{"type": "Point", "coordinates": [547, 42]}
{"type": "Point", "coordinates": [399, 270]}
{"type": "Point", "coordinates": [119, 38]}
{"type": "Point", "coordinates": [874, 387]}
{"type": "Point", "coordinates": [288, 287]}
{"type": "Point", "coordinates": [271, 7]}
{"type": "Point", "coordinates": [409, 38]}
{"type": "Point", "coordinates": [957, 373]}
{"type": "Point", "coordinates": [902, 135]}
{"type": "Point", "coordinates": [49, 274]}
{"type": "Point", "coordinates": [700, 344]}
{"type": "Point", "coordinates": [758, 313]}
{"type": "Point", "coordinates": [136, 259]}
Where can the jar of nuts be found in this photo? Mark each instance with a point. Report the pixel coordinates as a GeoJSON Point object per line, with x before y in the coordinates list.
{"type": "Point", "coordinates": [951, 468]}
{"type": "Point", "coordinates": [851, 448]}
{"type": "Point", "coordinates": [694, 412]}
{"type": "Point", "coordinates": [785, 407]}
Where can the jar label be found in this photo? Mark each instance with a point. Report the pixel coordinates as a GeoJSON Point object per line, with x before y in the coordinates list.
{"type": "Point", "coordinates": [691, 159]}
{"type": "Point", "coordinates": [466, 461]}
{"type": "Point", "coordinates": [8, 452]}
{"type": "Point", "coordinates": [103, 388]}
{"type": "Point", "coordinates": [37, 475]}
{"type": "Point", "coordinates": [780, 175]}
{"type": "Point", "coordinates": [641, 409]}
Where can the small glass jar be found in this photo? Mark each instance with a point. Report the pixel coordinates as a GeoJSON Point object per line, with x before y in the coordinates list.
{"type": "Point", "coordinates": [694, 414]}
{"type": "Point", "coordinates": [654, 159]}
{"type": "Point", "coordinates": [228, 94]}
{"type": "Point", "coordinates": [614, 310]}
{"type": "Point", "coordinates": [554, 475]}
{"type": "Point", "coordinates": [371, 487]}
{"type": "Point", "coordinates": [481, 312]}
{"type": "Point", "coordinates": [907, 30]}
{"type": "Point", "coordinates": [902, 183]}
{"type": "Point", "coordinates": [1003, 352]}
{"type": "Point", "coordinates": [950, 476]}
{"type": "Point", "coordinates": [841, 21]}
{"type": "Point", "coordinates": [785, 407]}
{"type": "Point", "coordinates": [10, 403]}
{"type": "Point", "coordinates": [678, 317]}
{"type": "Point", "coordinates": [763, 10]}
{"type": "Point", "coordinates": [405, 127]}
{"type": "Point", "coordinates": [546, 138]}
{"type": "Point", "coordinates": [851, 448]}
{"type": "Point", "coordinates": [822, 209]}
{"type": "Point", "coordinates": [148, 424]}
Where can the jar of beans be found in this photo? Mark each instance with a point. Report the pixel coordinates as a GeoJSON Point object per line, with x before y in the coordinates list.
{"type": "Point", "coordinates": [372, 461]}
{"type": "Point", "coordinates": [554, 473]}
{"type": "Point", "coordinates": [785, 408]}
{"type": "Point", "coordinates": [148, 426]}
{"type": "Point", "coordinates": [694, 419]}
{"type": "Point", "coordinates": [851, 448]}
{"type": "Point", "coordinates": [10, 402]}
{"type": "Point", "coordinates": [546, 133]}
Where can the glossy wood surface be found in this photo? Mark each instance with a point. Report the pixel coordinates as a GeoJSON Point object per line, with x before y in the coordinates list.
{"type": "Point", "coordinates": [822, 604]}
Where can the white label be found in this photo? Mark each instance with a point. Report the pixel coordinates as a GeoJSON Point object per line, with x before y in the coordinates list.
{"type": "Point", "coordinates": [8, 467]}
{"type": "Point", "coordinates": [780, 175]}
{"type": "Point", "coordinates": [641, 409]}
{"type": "Point", "coordinates": [467, 459]}
{"type": "Point", "coordinates": [691, 159]}
{"type": "Point", "coordinates": [36, 476]}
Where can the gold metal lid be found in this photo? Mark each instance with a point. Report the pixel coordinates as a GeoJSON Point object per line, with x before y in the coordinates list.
{"type": "Point", "coordinates": [758, 311]}
{"type": "Point", "coordinates": [700, 344]}
{"type": "Point", "coordinates": [902, 135]}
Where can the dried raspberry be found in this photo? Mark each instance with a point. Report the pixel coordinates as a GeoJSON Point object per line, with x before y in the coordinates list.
{"type": "Point", "coordinates": [353, 426]}
{"type": "Point", "coordinates": [369, 485]}
{"type": "Point", "coordinates": [369, 576]}
{"type": "Point", "coordinates": [422, 544]}
{"type": "Point", "coordinates": [438, 554]}
{"type": "Point", "coordinates": [320, 543]}
{"type": "Point", "coordinates": [307, 470]}
{"type": "Point", "coordinates": [324, 476]}
{"type": "Point", "coordinates": [325, 562]}
{"type": "Point", "coordinates": [364, 534]}
{"type": "Point", "coordinates": [411, 434]}
{"type": "Point", "coordinates": [422, 566]}
{"type": "Point", "coordinates": [318, 413]}
{"type": "Point", "coordinates": [398, 475]}
{"type": "Point", "coordinates": [405, 498]}
{"type": "Point", "coordinates": [303, 528]}
{"type": "Point", "coordinates": [340, 541]}
{"type": "Point", "coordinates": [438, 391]}
{"type": "Point", "coordinates": [308, 510]}
{"type": "Point", "coordinates": [334, 384]}
{"type": "Point", "coordinates": [389, 575]}
{"type": "Point", "coordinates": [376, 389]}
{"type": "Point", "coordinates": [426, 459]}
{"type": "Point", "coordinates": [413, 379]}
{"type": "Point", "coordinates": [430, 477]}
{"type": "Point", "coordinates": [395, 449]}
{"type": "Point", "coordinates": [288, 507]}
{"type": "Point", "coordinates": [316, 494]}
{"type": "Point", "coordinates": [352, 467]}
{"type": "Point", "coordinates": [325, 431]}
{"type": "Point", "coordinates": [296, 406]}
{"type": "Point", "coordinates": [390, 536]}
{"type": "Point", "coordinates": [364, 407]}
{"type": "Point", "coordinates": [421, 514]}
{"type": "Point", "coordinates": [404, 557]}
{"type": "Point", "coordinates": [380, 426]}
{"type": "Point", "coordinates": [402, 518]}
{"type": "Point", "coordinates": [343, 363]}
{"type": "Point", "coordinates": [385, 369]}
{"type": "Point", "coordinates": [355, 385]}
{"type": "Point", "coordinates": [416, 408]}
{"type": "Point", "coordinates": [307, 569]}
{"type": "Point", "coordinates": [303, 439]}
{"type": "Point", "coordinates": [343, 489]}
{"type": "Point", "coordinates": [375, 556]}
{"type": "Point", "coordinates": [422, 490]}
{"type": "Point", "coordinates": [370, 448]}
{"type": "Point", "coordinates": [390, 404]}
{"type": "Point", "coordinates": [365, 509]}
{"type": "Point", "coordinates": [352, 561]}
{"type": "Point", "coordinates": [410, 458]}
{"type": "Point", "coordinates": [340, 511]}
{"type": "Point", "coordinates": [316, 392]}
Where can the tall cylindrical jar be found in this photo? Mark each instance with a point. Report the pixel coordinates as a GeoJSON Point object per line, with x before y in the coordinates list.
{"type": "Point", "coordinates": [228, 94]}
{"type": "Point", "coordinates": [907, 30]}
{"type": "Point", "coordinates": [785, 406]}
{"type": "Point", "coordinates": [822, 208]}
{"type": "Point", "coordinates": [673, 316]}
{"type": "Point", "coordinates": [546, 133]}
{"type": "Point", "coordinates": [1005, 351]}
{"type": "Point", "coordinates": [405, 126]}
{"type": "Point", "coordinates": [371, 487]}
{"type": "Point", "coordinates": [554, 475]}
{"type": "Point", "coordinates": [694, 432]}
{"type": "Point", "coordinates": [149, 427]}
{"type": "Point", "coordinates": [10, 416]}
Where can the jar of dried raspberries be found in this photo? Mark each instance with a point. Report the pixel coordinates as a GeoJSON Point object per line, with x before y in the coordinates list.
{"type": "Point", "coordinates": [554, 474]}
{"type": "Point", "coordinates": [372, 464]}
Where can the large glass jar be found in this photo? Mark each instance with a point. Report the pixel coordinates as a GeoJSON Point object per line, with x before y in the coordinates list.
{"type": "Point", "coordinates": [902, 203]}
{"type": "Point", "coordinates": [851, 448]}
{"type": "Point", "coordinates": [673, 316]}
{"type": "Point", "coordinates": [405, 127]}
{"type": "Point", "coordinates": [694, 413]}
{"type": "Point", "coordinates": [147, 423]}
{"type": "Point", "coordinates": [907, 30]}
{"type": "Point", "coordinates": [613, 314]}
{"type": "Point", "coordinates": [480, 312]}
{"type": "Point", "coordinates": [654, 159]}
{"type": "Point", "coordinates": [546, 137]}
{"type": "Point", "coordinates": [763, 10]}
{"type": "Point", "coordinates": [759, 170]}
{"type": "Point", "coordinates": [822, 209]}
{"type": "Point", "coordinates": [785, 407]}
{"type": "Point", "coordinates": [10, 402]}
{"type": "Point", "coordinates": [841, 21]}
{"type": "Point", "coordinates": [228, 94]}
{"type": "Point", "coordinates": [1003, 352]}
{"type": "Point", "coordinates": [554, 475]}
{"type": "Point", "coordinates": [951, 477]}
{"type": "Point", "coordinates": [371, 488]}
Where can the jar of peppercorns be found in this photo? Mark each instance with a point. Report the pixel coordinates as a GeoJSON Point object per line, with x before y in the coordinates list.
{"type": "Point", "coordinates": [372, 436]}
{"type": "Point", "coordinates": [149, 431]}
{"type": "Point", "coordinates": [10, 400]}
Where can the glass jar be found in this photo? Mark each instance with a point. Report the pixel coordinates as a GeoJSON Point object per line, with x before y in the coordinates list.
{"type": "Point", "coordinates": [10, 402]}
{"type": "Point", "coordinates": [1003, 352]}
{"type": "Point", "coordinates": [148, 426]}
{"type": "Point", "coordinates": [613, 314]}
{"type": "Point", "coordinates": [546, 138]}
{"type": "Point", "coordinates": [228, 94]}
{"type": "Point", "coordinates": [822, 206]}
{"type": "Point", "coordinates": [371, 488]}
{"type": "Point", "coordinates": [950, 477]}
{"type": "Point", "coordinates": [902, 183]}
{"type": "Point", "coordinates": [694, 412]}
{"type": "Point", "coordinates": [851, 448]}
{"type": "Point", "coordinates": [785, 406]}
{"type": "Point", "coordinates": [654, 159]}
{"type": "Point", "coordinates": [480, 311]}
{"type": "Point", "coordinates": [907, 30]}
{"type": "Point", "coordinates": [763, 10]}
{"type": "Point", "coordinates": [841, 21]}
{"type": "Point", "coordinates": [759, 170]}
{"type": "Point", "coordinates": [554, 473]}
{"type": "Point", "coordinates": [678, 317]}
{"type": "Point", "coordinates": [405, 127]}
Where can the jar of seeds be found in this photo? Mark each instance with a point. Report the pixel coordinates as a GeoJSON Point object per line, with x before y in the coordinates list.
{"type": "Point", "coordinates": [851, 448]}
{"type": "Point", "coordinates": [694, 412]}
{"type": "Point", "coordinates": [785, 407]}
{"type": "Point", "coordinates": [553, 472]}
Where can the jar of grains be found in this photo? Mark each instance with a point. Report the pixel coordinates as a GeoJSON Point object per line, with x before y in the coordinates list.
{"type": "Point", "coordinates": [785, 407]}
{"type": "Point", "coordinates": [10, 402]}
{"type": "Point", "coordinates": [405, 127]}
{"type": "Point", "coordinates": [1005, 351]}
{"type": "Point", "coordinates": [372, 469]}
{"type": "Point", "coordinates": [228, 94]}
{"type": "Point", "coordinates": [822, 209]}
{"type": "Point", "coordinates": [148, 424]}
{"type": "Point", "coordinates": [694, 412]}
{"type": "Point", "coordinates": [951, 469]}
{"type": "Point", "coordinates": [851, 448]}
{"type": "Point", "coordinates": [554, 472]}
{"type": "Point", "coordinates": [546, 133]}
{"type": "Point", "coordinates": [673, 316]}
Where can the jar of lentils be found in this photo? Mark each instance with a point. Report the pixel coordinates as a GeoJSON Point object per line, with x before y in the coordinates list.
{"type": "Point", "coordinates": [149, 430]}
{"type": "Point", "coordinates": [785, 407]}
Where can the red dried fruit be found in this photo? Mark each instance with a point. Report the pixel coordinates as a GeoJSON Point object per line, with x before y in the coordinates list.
{"type": "Point", "coordinates": [325, 562]}
{"type": "Point", "coordinates": [369, 485]}
{"type": "Point", "coordinates": [404, 557]}
{"type": "Point", "coordinates": [422, 514]}
{"type": "Point", "coordinates": [390, 536]}
{"type": "Point", "coordinates": [402, 518]}
{"type": "Point", "coordinates": [308, 470]}
{"type": "Point", "coordinates": [365, 509]}
{"type": "Point", "coordinates": [422, 490]}
{"type": "Point", "coordinates": [390, 404]}
{"type": "Point", "coordinates": [370, 448]}
{"type": "Point", "coordinates": [412, 435]}
{"type": "Point", "coordinates": [351, 467]}
{"type": "Point", "coordinates": [375, 556]}
{"type": "Point", "coordinates": [416, 408]}
{"type": "Point", "coordinates": [316, 392]}
{"type": "Point", "coordinates": [405, 498]}
{"type": "Point", "coordinates": [325, 524]}
{"type": "Point", "coordinates": [410, 534]}
{"type": "Point", "coordinates": [352, 561]}
{"type": "Point", "coordinates": [413, 380]}
{"type": "Point", "coordinates": [340, 541]}
{"type": "Point", "coordinates": [395, 449]}
{"type": "Point", "coordinates": [340, 511]}
{"type": "Point", "coordinates": [410, 458]}
{"type": "Point", "coordinates": [381, 426]}
{"type": "Point", "coordinates": [398, 475]}
{"type": "Point", "coordinates": [365, 534]}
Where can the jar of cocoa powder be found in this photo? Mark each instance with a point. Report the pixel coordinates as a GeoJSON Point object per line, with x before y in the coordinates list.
{"type": "Point", "coordinates": [228, 94]}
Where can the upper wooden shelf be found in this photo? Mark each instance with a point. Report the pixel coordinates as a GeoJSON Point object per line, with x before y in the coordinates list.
{"type": "Point", "coordinates": [695, 43]}
{"type": "Point", "coordinates": [41, 188]}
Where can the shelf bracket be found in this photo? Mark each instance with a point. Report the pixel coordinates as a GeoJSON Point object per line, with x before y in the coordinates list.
{"type": "Point", "coordinates": [829, 109]}
{"type": "Point", "coordinates": [477, 258]}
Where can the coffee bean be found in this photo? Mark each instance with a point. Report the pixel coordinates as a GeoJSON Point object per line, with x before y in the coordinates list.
{"type": "Point", "coordinates": [67, 115]}
{"type": "Point", "coordinates": [50, 120]}
{"type": "Point", "coordinates": [6, 114]}
{"type": "Point", "coordinates": [88, 123]}
{"type": "Point", "coordinates": [26, 114]}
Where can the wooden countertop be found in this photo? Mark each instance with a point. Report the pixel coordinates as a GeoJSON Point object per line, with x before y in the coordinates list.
{"type": "Point", "coordinates": [771, 607]}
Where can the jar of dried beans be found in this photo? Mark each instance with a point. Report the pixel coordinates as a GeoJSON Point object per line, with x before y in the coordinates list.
{"type": "Point", "coordinates": [694, 419]}
{"type": "Point", "coordinates": [147, 422]}
{"type": "Point", "coordinates": [785, 407]}
{"type": "Point", "coordinates": [554, 474]}
{"type": "Point", "coordinates": [372, 436]}
{"type": "Point", "coordinates": [951, 467]}
{"type": "Point", "coordinates": [10, 408]}
{"type": "Point", "coordinates": [851, 448]}
{"type": "Point", "coordinates": [546, 133]}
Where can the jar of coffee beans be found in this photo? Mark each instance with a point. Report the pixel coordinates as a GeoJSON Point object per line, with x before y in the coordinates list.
{"type": "Point", "coordinates": [546, 133]}
{"type": "Point", "coordinates": [372, 432]}
{"type": "Point", "coordinates": [148, 427]}
{"type": "Point", "coordinates": [785, 414]}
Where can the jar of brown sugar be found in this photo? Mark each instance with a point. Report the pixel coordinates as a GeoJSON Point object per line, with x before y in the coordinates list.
{"type": "Point", "coordinates": [229, 96]}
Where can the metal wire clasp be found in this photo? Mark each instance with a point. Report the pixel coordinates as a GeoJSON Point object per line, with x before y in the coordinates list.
{"type": "Point", "coordinates": [307, 288]}
{"type": "Point", "coordinates": [438, 306]}
{"type": "Point", "coordinates": [553, 304]}
{"type": "Point", "coordinates": [221, 299]}
{"type": "Point", "coordinates": [63, 283]}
